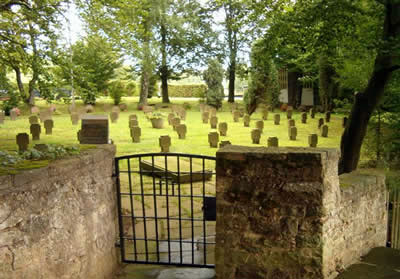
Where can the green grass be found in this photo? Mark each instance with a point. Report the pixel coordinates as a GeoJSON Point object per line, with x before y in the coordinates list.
{"type": "Point", "coordinates": [197, 133]}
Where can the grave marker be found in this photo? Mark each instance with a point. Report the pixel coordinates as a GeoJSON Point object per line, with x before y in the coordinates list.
{"type": "Point", "coordinates": [213, 139]}
{"type": "Point", "coordinates": [35, 131]}
{"type": "Point", "coordinates": [33, 119]}
{"type": "Point", "coordinates": [181, 130]}
{"type": "Point", "coordinates": [236, 116]}
{"type": "Point", "coordinates": [136, 132]}
{"type": "Point", "coordinates": [175, 122]}
{"type": "Point", "coordinates": [13, 115]}
{"type": "Point", "coordinates": [289, 113]}
{"type": "Point", "coordinates": [213, 122]}
{"type": "Point", "coordinates": [328, 117]}
{"type": "Point", "coordinates": [313, 140]}
{"type": "Point", "coordinates": [48, 126]}
{"type": "Point", "coordinates": [260, 125]}
{"type": "Point", "coordinates": [246, 120]}
{"type": "Point", "coordinates": [213, 111]}
{"type": "Point", "coordinates": [224, 143]}
{"type": "Point", "coordinates": [304, 118]}
{"type": "Point", "coordinates": [277, 119]}
{"type": "Point", "coordinates": [320, 122]}
{"type": "Point", "coordinates": [265, 114]}
{"type": "Point", "coordinates": [114, 116]}
{"type": "Point", "coordinates": [165, 143]}
{"type": "Point", "coordinates": [116, 109]}
{"type": "Point", "coordinates": [223, 128]}
{"type": "Point", "coordinates": [22, 141]}
{"type": "Point", "coordinates": [256, 136]}
{"type": "Point", "coordinates": [94, 130]}
{"type": "Point", "coordinates": [291, 123]}
{"type": "Point", "coordinates": [292, 133]}
{"type": "Point", "coordinates": [2, 117]}
{"type": "Point", "coordinates": [312, 113]}
{"type": "Point", "coordinates": [170, 117]}
{"type": "Point", "coordinates": [132, 117]}
{"type": "Point", "coordinates": [273, 142]}
{"type": "Point", "coordinates": [133, 123]}
{"type": "Point", "coordinates": [324, 131]}
{"type": "Point", "coordinates": [205, 115]}
{"type": "Point", "coordinates": [123, 107]}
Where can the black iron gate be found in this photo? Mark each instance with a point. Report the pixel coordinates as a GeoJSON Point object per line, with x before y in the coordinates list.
{"type": "Point", "coordinates": [166, 208]}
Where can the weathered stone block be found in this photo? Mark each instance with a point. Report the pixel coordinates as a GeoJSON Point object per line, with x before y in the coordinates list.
{"type": "Point", "coordinates": [94, 129]}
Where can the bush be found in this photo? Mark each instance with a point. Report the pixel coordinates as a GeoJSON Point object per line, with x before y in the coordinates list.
{"type": "Point", "coordinates": [116, 90]}
{"type": "Point", "coordinates": [10, 103]}
{"type": "Point", "coordinates": [187, 90]}
{"type": "Point", "coordinates": [213, 77]}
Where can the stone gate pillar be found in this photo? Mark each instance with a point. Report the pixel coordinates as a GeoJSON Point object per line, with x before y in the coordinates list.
{"type": "Point", "coordinates": [271, 205]}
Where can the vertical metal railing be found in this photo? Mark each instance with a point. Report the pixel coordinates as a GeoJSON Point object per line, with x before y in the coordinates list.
{"type": "Point", "coordinates": [165, 226]}
{"type": "Point", "coordinates": [395, 224]}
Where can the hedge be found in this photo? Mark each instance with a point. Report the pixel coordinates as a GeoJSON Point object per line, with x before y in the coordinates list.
{"type": "Point", "coordinates": [189, 90]}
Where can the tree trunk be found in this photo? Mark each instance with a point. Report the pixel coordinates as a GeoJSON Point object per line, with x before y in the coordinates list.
{"type": "Point", "coordinates": [144, 88]}
{"type": "Point", "coordinates": [164, 66]}
{"type": "Point", "coordinates": [327, 83]}
{"type": "Point", "coordinates": [21, 88]}
{"type": "Point", "coordinates": [232, 40]}
{"type": "Point", "coordinates": [367, 101]}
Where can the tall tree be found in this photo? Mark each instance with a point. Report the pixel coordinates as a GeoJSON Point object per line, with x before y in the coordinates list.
{"type": "Point", "coordinates": [26, 35]}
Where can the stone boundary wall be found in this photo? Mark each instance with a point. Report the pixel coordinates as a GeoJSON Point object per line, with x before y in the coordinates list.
{"type": "Point", "coordinates": [281, 214]}
{"type": "Point", "coordinates": [60, 221]}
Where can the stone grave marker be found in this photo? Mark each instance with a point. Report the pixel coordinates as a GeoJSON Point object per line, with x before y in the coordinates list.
{"type": "Point", "coordinates": [312, 113]}
{"type": "Point", "coordinates": [291, 123]}
{"type": "Point", "coordinates": [324, 131]}
{"type": "Point", "coordinates": [213, 122]}
{"type": "Point", "coordinates": [133, 117]}
{"type": "Point", "coordinates": [246, 120]}
{"type": "Point", "coordinates": [114, 116]}
{"type": "Point", "coordinates": [33, 119]}
{"type": "Point", "coordinates": [236, 116]}
{"type": "Point", "coordinates": [256, 136]}
{"type": "Point", "coordinates": [202, 107]}
{"type": "Point", "coordinates": [224, 143]}
{"type": "Point", "coordinates": [313, 140]}
{"type": "Point", "coordinates": [171, 116]}
{"type": "Point", "coordinates": [260, 125]}
{"type": "Point", "coordinates": [234, 107]}
{"type": "Point", "coordinates": [2, 117]}
{"type": "Point", "coordinates": [136, 133]}
{"type": "Point", "coordinates": [175, 122]}
{"type": "Point", "coordinates": [123, 107]}
{"type": "Point", "coordinates": [344, 122]}
{"type": "Point", "coordinates": [277, 119]}
{"type": "Point", "coordinates": [273, 142]}
{"type": "Point", "coordinates": [304, 118]}
{"type": "Point", "coordinates": [241, 111]}
{"type": "Point", "coordinates": [94, 129]}
{"type": "Point", "coordinates": [35, 110]}
{"type": "Point", "coordinates": [181, 130]}
{"type": "Point", "coordinates": [75, 118]}
{"type": "Point", "coordinates": [182, 113]}
{"type": "Point", "coordinates": [292, 133]}
{"type": "Point", "coordinates": [89, 108]}
{"type": "Point", "coordinates": [223, 128]}
{"type": "Point", "coordinates": [35, 131]}
{"type": "Point", "coordinates": [320, 122]}
{"type": "Point", "coordinates": [265, 114]}
{"type": "Point", "coordinates": [205, 115]}
{"type": "Point", "coordinates": [165, 143]}
{"type": "Point", "coordinates": [116, 109]}
{"type": "Point", "coordinates": [22, 141]}
{"type": "Point", "coordinates": [289, 113]}
{"type": "Point", "coordinates": [13, 115]}
{"type": "Point", "coordinates": [328, 117]}
{"type": "Point", "coordinates": [48, 126]}
{"type": "Point", "coordinates": [213, 111]}
{"type": "Point", "coordinates": [213, 139]}
{"type": "Point", "coordinates": [133, 123]}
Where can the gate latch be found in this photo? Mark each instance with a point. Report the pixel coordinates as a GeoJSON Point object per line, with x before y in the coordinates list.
{"type": "Point", "coordinates": [210, 208]}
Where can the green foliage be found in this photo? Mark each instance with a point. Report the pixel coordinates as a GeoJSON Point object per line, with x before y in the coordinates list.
{"type": "Point", "coordinates": [213, 77]}
{"type": "Point", "coordinates": [187, 90]}
{"type": "Point", "coordinates": [342, 106]}
{"type": "Point", "coordinates": [116, 90]}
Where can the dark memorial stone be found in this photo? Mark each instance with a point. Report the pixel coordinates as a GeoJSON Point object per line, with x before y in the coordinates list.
{"type": "Point", "coordinates": [94, 129]}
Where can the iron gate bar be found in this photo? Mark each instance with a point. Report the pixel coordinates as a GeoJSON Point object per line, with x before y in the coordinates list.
{"type": "Point", "coordinates": [166, 180]}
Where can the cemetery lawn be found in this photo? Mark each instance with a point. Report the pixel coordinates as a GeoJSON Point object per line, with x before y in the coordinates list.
{"type": "Point", "coordinates": [196, 141]}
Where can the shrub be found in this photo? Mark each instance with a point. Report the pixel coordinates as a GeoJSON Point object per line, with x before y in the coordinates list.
{"type": "Point", "coordinates": [187, 90]}
{"type": "Point", "coordinates": [116, 90]}
{"type": "Point", "coordinates": [213, 77]}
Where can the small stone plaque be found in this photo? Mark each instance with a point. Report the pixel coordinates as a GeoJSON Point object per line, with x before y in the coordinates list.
{"type": "Point", "coordinates": [324, 131]}
{"type": "Point", "coordinates": [116, 109]}
{"type": "Point", "coordinates": [328, 117]}
{"type": "Point", "coordinates": [320, 122]}
{"type": "Point", "coordinates": [48, 126]}
{"type": "Point", "coordinates": [133, 117]}
{"type": "Point", "coordinates": [224, 143]}
{"type": "Point", "coordinates": [94, 129]}
{"type": "Point", "coordinates": [223, 128]}
{"type": "Point", "coordinates": [312, 113]}
{"type": "Point", "coordinates": [175, 122]}
{"type": "Point", "coordinates": [204, 116]}
{"type": "Point", "coordinates": [256, 136]}
{"type": "Point", "coordinates": [313, 140]}
{"type": "Point", "coordinates": [181, 130]}
{"type": "Point", "coordinates": [246, 120]}
{"type": "Point", "coordinates": [35, 131]}
{"type": "Point", "coordinates": [273, 142]}
{"type": "Point", "coordinates": [260, 125]}
{"type": "Point", "coordinates": [114, 116]}
{"type": "Point", "coordinates": [265, 114]}
{"type": "Point", "coordinates": [291, 123]}
{"type": "Point", "coordinates": [182, 113]}
{"type": "Point", "coordinates": [33, 119]}
{"type": "Point", "coordinates": [23, 142]}
{"type": "Point", "coordinates": [236, 116]}
{"type": "Point", "coordinates": [304, 118]}
{"type": "Point", "coordinates": [123, 107]}
{"type": "Point", "coordinates": [289, 113]}
{"type": "Point", "coordinates": [277, 119]}
{"type": "Point", "coordinates": [133, 123]}
{"type": "Point", "coordinates": [213, 122]}
{"type": "Point", "coordinates": [136, 133]}
{"type": "Point", "coordinates": [292, 133]}
{"type": "Point", "coordinates": [171, 116]}
{"type": "Point", "coordinates": [165, 143]}
{"type": "Point", "coordinates": [89, 109]}
{"type": "Point", "coordinates": [213, 139]}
